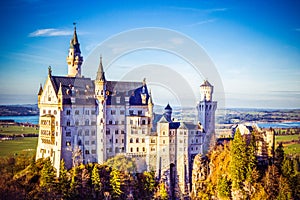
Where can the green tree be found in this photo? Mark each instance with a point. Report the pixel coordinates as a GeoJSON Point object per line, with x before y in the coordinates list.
{"type": "Point", "coordinates": [279, 156]}
{"type": "Point", "coordinates": [115, 183]}
{"type": "Point", "coordinates": [96, 181]}
{"type": "Point", "coordinates": [238, 164]}
{"type": "Point", "coordinates": [284, 190]}
{"type": "Point", "coordinates": [271, 182]}
{"type": "Point", "coordinates": [122, 164]}
{"type": "Point", "coordinates": [224, 187]}
{"type": "Point", "coordinates": [163, 194]}
{"type": "Point", "coordinates": [64, 182]}
{"type": "Point", "coordinates": [47, 174]}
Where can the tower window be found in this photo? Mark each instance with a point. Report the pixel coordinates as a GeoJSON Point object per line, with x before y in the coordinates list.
{"type": "Point", "coordinates": [87, 133]}
{"type": "Point", "coordinates": [137, 140]}
{"type": "Point", "coordinates": [131, 140]}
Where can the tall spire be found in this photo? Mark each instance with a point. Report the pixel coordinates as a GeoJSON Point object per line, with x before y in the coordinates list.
{"type": "Point", "coordinates": [100, 72]}
{"type": "Point", "coordinates": [74, 58]}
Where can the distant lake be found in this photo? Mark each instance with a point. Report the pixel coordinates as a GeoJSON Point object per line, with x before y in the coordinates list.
{"type": "Point", "coordinates": [22, 119]}
{"type": "Point", "coordinates": [279, 125]}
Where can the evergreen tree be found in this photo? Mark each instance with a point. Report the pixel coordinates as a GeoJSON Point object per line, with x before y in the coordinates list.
{"type": "Point", "coordinates": [47, 174]}
{"type": "Point", "coordinates": [271, 181]}
{"type": "Point", "coordinates": [224, 187]}
{"type": "Point", "coordinates": [238, 164]}
{"type": "Point", "coordinates": [279, 156]}
{"type": "Point", "coordinates": [63, 180]}
{"type": "Point", "coordinates": [96, 181]}
{"type": "Point", "coordinates": [163, 194]}
{"type": "Point", "coordinates": [284, 190]}
{"type": "Point", "coordinates": [115, 183]}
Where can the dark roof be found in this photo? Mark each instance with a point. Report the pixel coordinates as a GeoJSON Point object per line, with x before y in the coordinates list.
{"type": "Point", "coordinates": [122, 89]}
{"type": "Point", "coordinates": [100, 72]}
{"type": "Point", "coordinates": [174, 125]}
{"type": "Point", "coordinates": [81, 89]}
{"type": "Point", "coordinates": [74, 42]}
{"type": "Point", "coordinates": [168, 107]}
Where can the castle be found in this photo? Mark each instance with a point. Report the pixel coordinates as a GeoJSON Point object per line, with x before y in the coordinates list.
{"type": "Point", "coordinates": [84, 121]}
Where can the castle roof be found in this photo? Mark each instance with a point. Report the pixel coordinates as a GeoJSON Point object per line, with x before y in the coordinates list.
{"type": "Point", "coordinates": [206, 83]}
{"type": "Point", "coordinates": [168, 107]}
{"type": "Point", "coordinates": [81, 89]}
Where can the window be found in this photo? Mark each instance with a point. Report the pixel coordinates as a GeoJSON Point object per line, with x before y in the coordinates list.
{"type": "Point", "coordinates": [112, 112]}
{"type": "Point", "coordinates": [152, 148]}
{"type": "Point", "coordinates": [143, 140]}
{"type": "Point", "coordinates": [93, 112]}
{"type": "Point", "coordinates": [122, 132]}
{"type": "Point", "coordinates": [118, 99]}
{"type": "Point", "coordinates": [122, 112]}
{"type": "Point", "coordinates": [93, 132]}
{"type": "Point", "coordinates": [196, 140]}
{"type": "Point", "coordinates": [164, 133]}
{"type": "Point", "coordinates": [77, 123]}
{"type": "Point", "coordinates": [44, 111]}
{"type": "Point", "coordinates": [49, 111]}
{"type": "Point", "coordinates": [87, 133]}
{"type": "Point", "coordinates": [122, 140]}
{"type": "Point", "coordinates": [116, 122]}
{"type": "Point", "coordinates": [152, 140]}
{"type": "Point", "coordinates": [122, 122]}
{"type": "Point", "coordinates": [79, 132]}
{"type": "Point", "coordinates": [49, 98]}
{"type": "Point", "coordinates": [68, 134]}
{"type": "Point", "coordinates": [87, 152]}
{"type": "Point", "coordinates": [164, 141]}
{"type": "Point", "coordinates": [131, 149]}
{"type": "Point", "coordinates": [93, 123]}
{"type": "Point", "coordinates": [116, 132]}
{"type": "Point", "coordinates": [107, 131]}
{"type": "Point", "coordinates": [93, 151]}
{"type": "Point", "coordinates": [87, 112]}
{"type": "Point", "coordinates": [143, 122]}
{"type": "Point", "coordinates": [116, 140]}
{"type": "Point", "coordinates": [68, 123]}
{"type": "Point", "coordinates": [137, 140]}
{"type": "Point", "coordinates": [76, 112]}
{"type": "Point", "coordinates": [144, 149]}
{"type": "Point", "coordinates": [131, 112]}
{"type": "Point", "coordinates": [131, 122]}
{"type": "Point", "coordinates": [55, 112]}
{"type": "Point", "coordinates": [137, 149]}
{"type": "Point", "coordinates": [110, 122]}
{"type": "Point", "coordinates": [87, 122]}
{"type": "Point", "coordinates": [86, 142]}
{"type": "Point", "coordinates": [131, 140]}
{"type": "Point", "coordinates": [140, 112]}
{"type": "Point", "coordinates": [93, 142]}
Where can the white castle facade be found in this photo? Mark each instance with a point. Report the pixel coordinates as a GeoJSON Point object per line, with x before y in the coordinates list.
{"type": "Point", "coordinates": [84, 120]}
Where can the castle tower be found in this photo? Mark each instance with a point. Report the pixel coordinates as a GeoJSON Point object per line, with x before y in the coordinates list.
{"type": "Point", "coordinates": [168, 113]}
{"type": "Point", "coordinates": [74, 58]}
{"type": "Point", "coordinates": [150, 106]}
{"type": "Point", "coordinates": [206, 112]}
{"type": "Point", "coordinates": [100, 92]}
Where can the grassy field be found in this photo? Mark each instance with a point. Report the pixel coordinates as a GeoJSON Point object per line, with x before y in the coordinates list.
{"type": "Point", "coordinates": [18, 146]}
{"type": "Point", "coordinates": [17, 130]}
{"type": "Point", "coordinates": [291, 148]}
{"type": "Point", "coordinates": [21, 145]}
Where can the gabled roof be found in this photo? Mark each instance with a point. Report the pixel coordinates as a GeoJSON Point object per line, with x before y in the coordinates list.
{"type": "Point", "coordinates": [81, 89]}
{"type": "Point", "coordinates": [174, 125]}
{"type": "Point", "coordinates": [168, 107]}
{"type": "Point", "coordinates": [163, 120]}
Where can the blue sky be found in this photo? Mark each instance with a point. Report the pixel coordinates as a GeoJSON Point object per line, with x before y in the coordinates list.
{"type": "Point", "coordinates": [255, 45]}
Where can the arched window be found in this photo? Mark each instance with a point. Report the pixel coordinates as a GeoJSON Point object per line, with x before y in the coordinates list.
{"type": "Point", "coordinates": [137, 149]}
{"type": "Point", "coordinates": [137, 140]}
{"type": "Point", "coordinates": [131, 140]}
{"type": "Point", "coordinates": [86, 122]}
{"type": "Point", "coordinates": [143, 140]}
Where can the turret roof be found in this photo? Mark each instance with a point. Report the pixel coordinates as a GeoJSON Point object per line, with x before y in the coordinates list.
{"type": "Point", "coordinates": [100, 72]}
{"type": "Point", "coordinates": [168, 107]}
{"type": "Point", "coordinates": [206, 83]}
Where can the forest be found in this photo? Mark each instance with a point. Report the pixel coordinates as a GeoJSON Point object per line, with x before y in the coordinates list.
{"type": "Point", "coordinates": [233, 171]}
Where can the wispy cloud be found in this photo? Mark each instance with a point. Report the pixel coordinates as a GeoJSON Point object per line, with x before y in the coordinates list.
{"type": "Point", "coordinates": [202, 22]}
{"type": "Point", "coordinates": [201, 10]}
{"type": "Point", "coordinates": [49, 32]}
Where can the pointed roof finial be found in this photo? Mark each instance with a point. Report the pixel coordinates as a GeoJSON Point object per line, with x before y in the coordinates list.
{"type": "Point", "coordinates": [49, 71]}
{"type": "Point", "coordinates": [100, 72]}
{"type": "Point", "coordinates": [144, 81]}
{"type": "Point", "coordinates": [41, 89]}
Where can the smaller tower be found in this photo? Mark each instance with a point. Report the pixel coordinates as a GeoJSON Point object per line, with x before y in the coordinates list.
{"type": "Point", "coordinates": [168, 113]}
{"type": "Point", "coordinates": [100, 93]}
{"type": "Point", "coordinates": [74, 58]}
{"type": "Point", "coordinates": [150, 105]}
{"type": "Point", "coordinates": [206, 113]}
